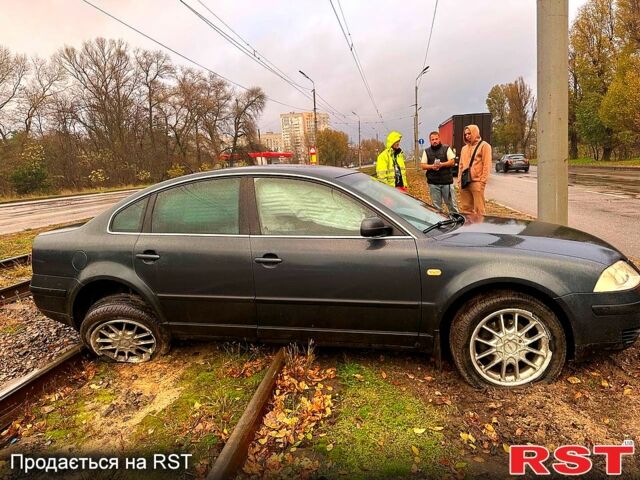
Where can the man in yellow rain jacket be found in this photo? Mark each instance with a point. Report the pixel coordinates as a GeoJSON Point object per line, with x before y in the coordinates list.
{"type": "Point", "coordinates": [390, 167]}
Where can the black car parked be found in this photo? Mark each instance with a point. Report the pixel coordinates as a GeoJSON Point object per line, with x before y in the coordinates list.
{"type": "Point", "coordinates": [288, 253]}
{"type": "Point", "coordinates": [513, 161]}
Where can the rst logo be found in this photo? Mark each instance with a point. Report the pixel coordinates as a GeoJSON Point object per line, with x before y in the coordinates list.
{"type": "Point", "coordinates": [569, 459]}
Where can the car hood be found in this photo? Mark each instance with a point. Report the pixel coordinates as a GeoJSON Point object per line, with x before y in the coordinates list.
{"type": "Point", "coordinates": [534, 236]}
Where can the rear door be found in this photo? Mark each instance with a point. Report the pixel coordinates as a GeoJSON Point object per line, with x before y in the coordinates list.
{"type": "Point", "coordinates": [316, 277]}
{"type": "Point", "coordinates": [195, 254]}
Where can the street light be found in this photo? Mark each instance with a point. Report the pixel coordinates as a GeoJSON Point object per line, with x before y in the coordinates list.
{"type": "Point", "coordinates": [416, 150]}
{"type": "Point", "coordinates": [359, 154]}
{"type": "Point", "coordinates": [315, 119]}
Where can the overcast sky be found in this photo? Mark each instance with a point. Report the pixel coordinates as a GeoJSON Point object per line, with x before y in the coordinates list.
{"type": "Point", "coordinates": [475, 44]}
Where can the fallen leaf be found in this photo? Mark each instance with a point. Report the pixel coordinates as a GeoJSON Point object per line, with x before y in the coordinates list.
{"type": "Point", "coordinates": [573, 380]}
{"type": "Point", "coordinates": [478, 459]}
{"type": "Point", "coordinates": [415, 450]}
{"type": "Point", "coordinates": [505, 447]}
{"type": "Point", "coordinates": [436, 429]}
{"type": "Point", "coordinates": [578, 395]}
{"type": "Point", "coordinates": [384, 375]}
{"type": "Point", "coordinates": [627, 391]}
{"type": "Point", "coordinates": [489, 428]}
{"type": "Point", "coordinates": [196, 405]}
{"type": "Point", "coordinates": [329, 447]}
{"type": "Point", "coordinates": [604, 383]}
{"type": "Point", "coordinates": [606, 421]}
{"type": "Point", "coordinates": [414, 468]}
{"type": "Point", "coordinates": [358, 377]}
{"type": "Point", "coordinates": [419, 431]}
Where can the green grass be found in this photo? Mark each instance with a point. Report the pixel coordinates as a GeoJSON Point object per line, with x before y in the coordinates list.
{"type": "Point", "coordinates": [209, 396]}
{"type": "Point", "coordinates": [374, 432]}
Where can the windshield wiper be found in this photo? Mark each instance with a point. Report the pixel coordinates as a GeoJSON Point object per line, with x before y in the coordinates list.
{"type": "Point", "coordinates": [454, 218]}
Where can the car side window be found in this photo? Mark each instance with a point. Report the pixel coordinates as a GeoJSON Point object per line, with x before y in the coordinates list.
{"type": "Point", "coordinates": [205, 206]}
{"type": "Point", "coordinates": [129, 219]}
{"type": "Point", "coordinates": [297, 207]}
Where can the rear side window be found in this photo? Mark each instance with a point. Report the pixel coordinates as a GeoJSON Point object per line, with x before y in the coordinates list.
{"type": "Point", "coordinates": [207, 206]}
{"type": "Point", "coordinates": [130, 219]}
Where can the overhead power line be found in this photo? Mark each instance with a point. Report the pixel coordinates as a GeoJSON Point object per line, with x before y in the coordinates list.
{"type": "Point", "coordinates": [247, 49]}
{"type": "Point", "coordinates": [166, 47]}
{"type": "Point", "coordinates": [426, 53]}
{"type": "Point", "coordinates": [354, 53]}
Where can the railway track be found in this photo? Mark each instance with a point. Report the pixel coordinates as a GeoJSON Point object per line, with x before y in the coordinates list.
{"type": "Point", "coordinates": [15, 261]}
{"type": "Point", "coordinates": [14, 292]}
{"type": "Point", "coordinates": [15, 393]}
{"type": "Point", "coordinates": [17, 290]}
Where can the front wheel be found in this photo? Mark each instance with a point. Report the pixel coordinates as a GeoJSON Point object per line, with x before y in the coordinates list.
{"type": "Point", "coordinates": [505, 169]}
{"type": "Point", "coordinates": [507, 339]}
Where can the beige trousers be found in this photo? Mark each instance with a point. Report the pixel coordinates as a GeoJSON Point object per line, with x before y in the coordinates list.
{"type": "Point", "coordinates": [472, 198]}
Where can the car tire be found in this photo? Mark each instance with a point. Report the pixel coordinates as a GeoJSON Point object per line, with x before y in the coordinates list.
{"type": "Point", "coordinates": [122, 328]}
{"type": "Point", "coordinates": [497, 168]}
{"type": "Point", "coordinates": [526, 170]}
{"type": "Point", "coordinates": [505, 169]}
{"type": "Point", "coordinates": [505, 357]}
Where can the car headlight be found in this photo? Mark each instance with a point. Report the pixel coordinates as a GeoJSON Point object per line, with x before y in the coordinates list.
{"type": "Point", "coordinates": [617, 277]}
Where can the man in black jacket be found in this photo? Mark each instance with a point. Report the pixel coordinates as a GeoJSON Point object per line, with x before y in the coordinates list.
{"type": "Point", "coordinates": [438, 160]}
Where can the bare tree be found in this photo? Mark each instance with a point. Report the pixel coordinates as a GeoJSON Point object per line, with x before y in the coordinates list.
{"type": "Point", "coordinates": [13, 69]}
{"type": "Point", "coordinates": [43, 84]}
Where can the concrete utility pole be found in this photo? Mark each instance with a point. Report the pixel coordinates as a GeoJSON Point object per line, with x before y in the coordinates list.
{"type": "Point", "coordinates": [315, 117]}
{"type": "Point", "coordinates": [416, 148]}
{"type": "Point", "coordinates": [553, 110]}
{"type": "Point", "coordinates": [359, 143]}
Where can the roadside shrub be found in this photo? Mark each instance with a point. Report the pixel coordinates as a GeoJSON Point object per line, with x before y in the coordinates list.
{"type": "Point", "coordinates": [30, 177]}
{"type": "Point", "coordinates": [176, 170]}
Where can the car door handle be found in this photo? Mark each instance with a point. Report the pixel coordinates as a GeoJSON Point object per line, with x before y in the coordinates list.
{"type": "Point", "coordinates": [148, 256]}
{"type": "Point", "coordinates": [271, 260]}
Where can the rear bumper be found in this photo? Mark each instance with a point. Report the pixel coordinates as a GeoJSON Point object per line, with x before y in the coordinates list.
{"type": "Point", "coordinates": [603, 321]}
{"type": "Point", "coordinates": [51, 295]}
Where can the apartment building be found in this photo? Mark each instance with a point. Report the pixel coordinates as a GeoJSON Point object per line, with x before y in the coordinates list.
{"type": "Point", "coordinates": [298, 132]}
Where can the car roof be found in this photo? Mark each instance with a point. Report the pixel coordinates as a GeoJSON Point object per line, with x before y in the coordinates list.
{"type": "Point", "coordinates": [314, 171]}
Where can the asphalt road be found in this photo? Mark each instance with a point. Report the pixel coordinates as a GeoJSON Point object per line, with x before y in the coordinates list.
{"type": "Point", "coordinates": [15, 217]}
{"type": "Point", "coordinates": [603, 202]}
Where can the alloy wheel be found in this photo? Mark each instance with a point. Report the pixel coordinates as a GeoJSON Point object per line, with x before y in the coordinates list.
{"type": "Point", "coordinates": [123, 340]}
{"type": "Point", "coordinates": [510, 347]}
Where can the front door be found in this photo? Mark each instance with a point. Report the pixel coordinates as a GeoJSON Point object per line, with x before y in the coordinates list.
{"type": "Point", "coordinates": [316, 277]}
{"type": "Point", "coordinates": [195, 257]}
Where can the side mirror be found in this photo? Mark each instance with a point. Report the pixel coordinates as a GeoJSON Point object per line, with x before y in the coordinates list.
{"type": "Point", "coordinates": [374, 227]}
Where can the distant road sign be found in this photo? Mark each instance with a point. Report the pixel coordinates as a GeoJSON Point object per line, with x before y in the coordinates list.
{"type": "Point", "coordinates": [421, 141]}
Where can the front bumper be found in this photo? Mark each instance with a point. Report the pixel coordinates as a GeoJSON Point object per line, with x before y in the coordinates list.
{"type": "Point", "coordinates": [603, 321]}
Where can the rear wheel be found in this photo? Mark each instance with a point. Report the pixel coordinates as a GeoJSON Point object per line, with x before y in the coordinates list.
{"type": "Point", "coordinates": [497, 168]}
{"type": "Point", "coordinates": [122, 328]}
{"type": "Point", "coordinates": [507, 339]}
{"type": "Point", "coordinates": [526, 170]}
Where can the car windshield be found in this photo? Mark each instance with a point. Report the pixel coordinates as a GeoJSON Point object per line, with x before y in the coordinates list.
{"type": "Point", "coordinates": [416, 212]}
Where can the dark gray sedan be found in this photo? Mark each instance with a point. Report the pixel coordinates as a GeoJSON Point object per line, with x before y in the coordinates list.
{"type": "Point", "coordinates": [291, 253]}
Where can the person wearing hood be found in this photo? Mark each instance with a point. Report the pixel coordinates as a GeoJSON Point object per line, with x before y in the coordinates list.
{"type": "Point", "coordinates": [475, 155]}
{"type": "Point", "coordinates": [390, 166]}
